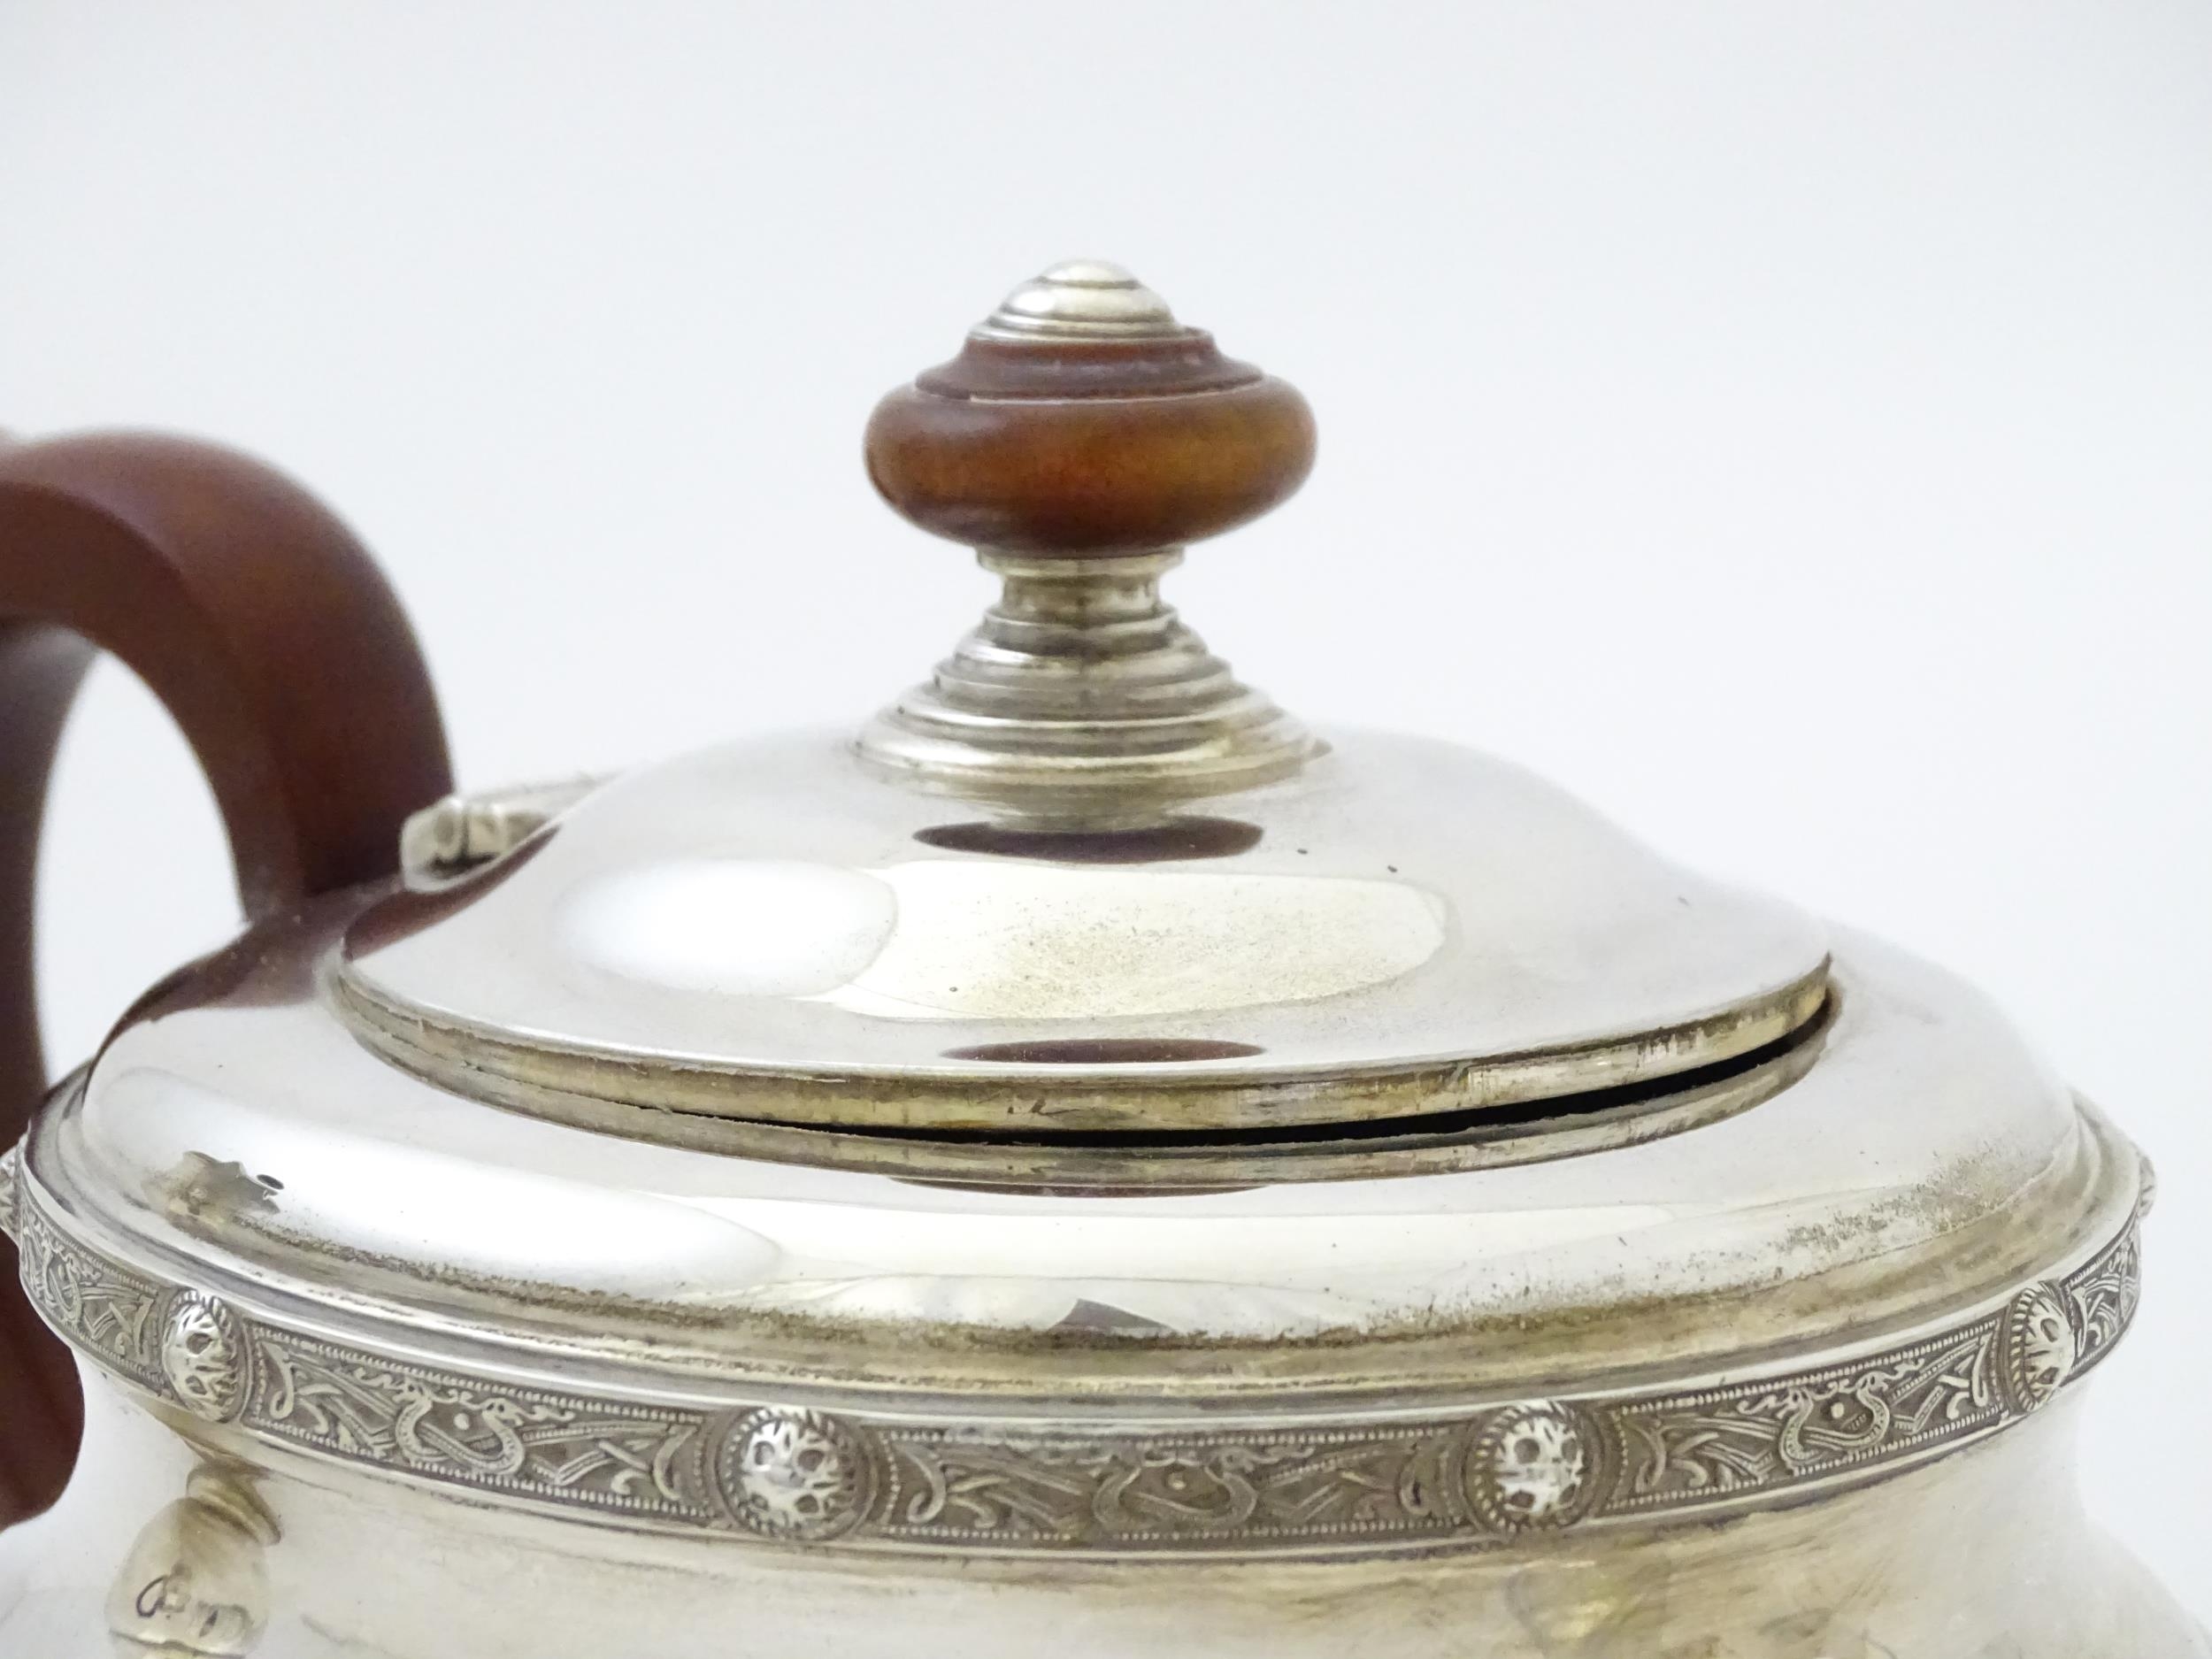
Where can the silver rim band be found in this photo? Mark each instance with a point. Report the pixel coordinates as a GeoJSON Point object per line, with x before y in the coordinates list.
{"type": "Point", "coordinates": [784, 1472]}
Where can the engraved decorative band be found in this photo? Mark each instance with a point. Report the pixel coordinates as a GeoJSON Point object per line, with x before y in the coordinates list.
{"type": "Point", "coordinates": [1477, 1477]}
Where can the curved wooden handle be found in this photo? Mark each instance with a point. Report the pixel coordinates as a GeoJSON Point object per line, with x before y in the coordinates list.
{"type": "Point", "coordinates": [276, 645]}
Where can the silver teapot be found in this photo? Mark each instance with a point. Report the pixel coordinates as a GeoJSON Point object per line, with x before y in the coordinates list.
{"type": "Point", "coordinates": [1084, 1163]}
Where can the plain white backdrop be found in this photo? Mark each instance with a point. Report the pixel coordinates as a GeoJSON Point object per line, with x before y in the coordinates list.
{"type": "Point", "coordinates": [1790, 425]}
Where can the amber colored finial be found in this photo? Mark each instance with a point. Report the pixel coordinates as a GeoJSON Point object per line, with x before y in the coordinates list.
{"type": "Point", "coordinates": [1079, 441]}
{"type": "Point", "coordinates": [1080, 420]}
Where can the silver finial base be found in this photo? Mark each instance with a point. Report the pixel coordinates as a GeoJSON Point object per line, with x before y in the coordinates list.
{"type": "Point", "coordinates": [1082, 696]}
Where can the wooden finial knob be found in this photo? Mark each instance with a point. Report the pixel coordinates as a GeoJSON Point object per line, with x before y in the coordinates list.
{"type": "Point", "coordinates": [1081, 420]}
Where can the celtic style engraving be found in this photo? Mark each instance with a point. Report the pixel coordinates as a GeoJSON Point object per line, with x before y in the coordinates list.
{"type": "Point", "coordinates": [11, 1163]}
{"type": "Point", "coordinates": [1769, 1437]}
{"type": "Point", "coordinates": [2103, 1298]}
{"type": "Point", "coordinates": [974, 1487]}
{"type": "Point", "coordinates": [109, 1311]}
{"type": "Point", "coordinates": [557, 1447]}
{"type": "Point", "coordinates": [793, 1474]}
{"type": "Point", "coordinates": [205, 1353]}
{"type": "Point", "coordinates": [1479, 1477]}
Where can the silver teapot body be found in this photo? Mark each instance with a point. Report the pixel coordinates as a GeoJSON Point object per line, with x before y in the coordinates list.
{"type": "Point", "coordinates": [1087, 1163]}
{"type": "Point", "coordinates": [455, 1465]}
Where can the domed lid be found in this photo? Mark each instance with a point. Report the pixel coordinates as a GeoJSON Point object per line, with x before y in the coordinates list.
{"type": "Point", "coordinates": [1082, 881]}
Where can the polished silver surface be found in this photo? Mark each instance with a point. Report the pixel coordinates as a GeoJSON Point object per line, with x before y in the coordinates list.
{"type": "Point", "coordinates": [1083, 882]}
{"type": "Point", "coordinates": [773, 931]}
{"type": "Point", "coordinates": [461, 832]}
{"type": "Point", "coordinates": [1121, 1165]}
{"type": "Point", "coordinates": [1082, 702]}
{"type": "Point", "coordinates": [1924, 1165]}
{"type": "Point", "coordinates": [196, 1579]}
{"type": "Point", "coordinates": [1081, 299]}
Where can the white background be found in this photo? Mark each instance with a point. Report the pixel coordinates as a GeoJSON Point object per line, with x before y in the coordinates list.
{"type": "Point", "coordinates": [1790, 425]}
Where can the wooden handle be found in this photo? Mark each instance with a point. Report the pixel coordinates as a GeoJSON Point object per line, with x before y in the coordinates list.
{"type": "Point", "coordinates": [277, 646]}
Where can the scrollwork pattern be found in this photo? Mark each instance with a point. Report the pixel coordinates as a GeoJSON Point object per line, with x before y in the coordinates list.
{"type": "Point", "coordinates": [558, 1447]}
{"type": "Point", "coordinates": [792, 1476]}
{"type": "Point", "coordinates": [975, 1486]}
{"type": "Point", "coordinates": [1720, 1443]}
{"type": "Point", "coordinates": [105, 1308]}
{"type": "Point", "coordinates": [11, 1182]}
{"type": "Point", "coordinates": [2103, 1298]}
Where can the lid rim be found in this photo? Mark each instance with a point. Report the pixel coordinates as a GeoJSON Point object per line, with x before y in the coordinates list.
{"type": "Point", "coordinates": [1043, 1099]}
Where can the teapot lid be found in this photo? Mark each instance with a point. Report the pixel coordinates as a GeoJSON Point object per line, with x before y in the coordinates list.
{"type": "Point", "coordinates": [1082, 882]}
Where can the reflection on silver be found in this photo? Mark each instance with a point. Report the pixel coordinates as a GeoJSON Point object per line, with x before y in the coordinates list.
{"type": "Point", "coordinates": [1081, 299]}
{"type": "Point", "coordinates": [1082, 698]}
{"type": "Point", "coordinates": [195, 1583]}
{"type": "Point", "coordinates": [1501, 1244]}
{"type": "Point", "coordinates": [462, 831]}
{"type": "Point", "coordinates": [768, 932]}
